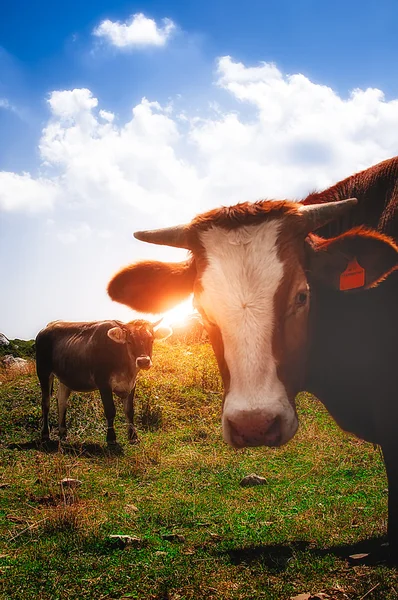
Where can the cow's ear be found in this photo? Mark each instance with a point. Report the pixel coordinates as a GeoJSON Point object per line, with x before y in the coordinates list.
{"type": "Point", "coordinates": [358, 259]}
{"type": "Point", "coordinates": [162, 333]}
{"type": "Point", "coordinates": [152, 286]}
{"type": "Point", "coordinates": [117, 334]}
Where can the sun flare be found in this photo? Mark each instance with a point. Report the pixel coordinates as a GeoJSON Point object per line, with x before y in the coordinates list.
{"type": "Point", "coordinates": [180, 313]}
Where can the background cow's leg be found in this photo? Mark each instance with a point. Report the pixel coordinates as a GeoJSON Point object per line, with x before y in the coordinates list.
{"type": "Point", "coordinates": [129, 412]}
{"type": "Point", "coordinates": [110, 412]}
{"type": "Point", "coordinates": [390, 452]}
{"type": "Point", "coordinates": [46, 384]}
{"type": "Point", "coordinates": [62, 399]}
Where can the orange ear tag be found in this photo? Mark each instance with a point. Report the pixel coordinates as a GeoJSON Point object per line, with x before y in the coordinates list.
{"type": "Point", "coordinates": [353, 277]}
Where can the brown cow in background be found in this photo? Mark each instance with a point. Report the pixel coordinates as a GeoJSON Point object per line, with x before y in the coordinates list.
{"type": "Point", "coordinates": [103, 355]}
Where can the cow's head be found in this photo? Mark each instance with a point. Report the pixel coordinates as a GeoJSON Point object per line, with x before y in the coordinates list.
{"type": "Point", "coordinates": [138, 336]}
{"type": "Point", "coordinates": [248, 272]}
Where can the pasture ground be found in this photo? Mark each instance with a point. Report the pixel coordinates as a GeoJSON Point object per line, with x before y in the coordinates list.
{"type": "Point", "coordinates": [200, 534]}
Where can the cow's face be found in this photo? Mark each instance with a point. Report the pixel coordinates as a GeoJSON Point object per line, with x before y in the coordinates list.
{"type": "Point", "coordinates": [253, 295]}
{"type": "Point", "coordinates": [138, 337]}
{"type": "Point", "coordinates": [249, 278]}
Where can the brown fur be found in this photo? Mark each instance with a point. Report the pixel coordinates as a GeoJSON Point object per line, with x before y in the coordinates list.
{"type": "Point", "coordinates": [245, 213]}
{"type": "Point", "coordinates": [142, 291]}
{"type": "Point", "coordinates": [377, 191]}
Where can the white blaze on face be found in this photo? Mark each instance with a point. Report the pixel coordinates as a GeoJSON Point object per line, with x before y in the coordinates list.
{"type": "Point", "coordinates": [239, 284]}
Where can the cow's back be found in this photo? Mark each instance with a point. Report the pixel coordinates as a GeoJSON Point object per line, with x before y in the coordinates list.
{"type": "Point", "coordinates": [376, 189]}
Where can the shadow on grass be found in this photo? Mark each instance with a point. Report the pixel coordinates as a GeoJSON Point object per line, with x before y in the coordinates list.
{"type": "Point", "coordinates": [79, 449]}
{"type": "Point", "coordinates": [276, 557]}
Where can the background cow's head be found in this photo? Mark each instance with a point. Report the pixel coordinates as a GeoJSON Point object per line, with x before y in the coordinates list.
{"type": "Point", "coordinates": [249, 274]}
{"type": "Point", "coordinates": [138, 336]}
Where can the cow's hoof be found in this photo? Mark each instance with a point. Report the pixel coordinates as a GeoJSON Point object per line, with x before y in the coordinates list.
{"type": "Point", "coordinates": [134, 440]}
{"type": "Point", "coordinates": [111, 436]}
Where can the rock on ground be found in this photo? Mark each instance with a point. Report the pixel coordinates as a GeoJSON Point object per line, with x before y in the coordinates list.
{"type": "Point", "coordinates": [15, 364]}
{"type": "Point", "coordinates": [3, 340]}
{"type": "Point", "coordinates": [253, 479]}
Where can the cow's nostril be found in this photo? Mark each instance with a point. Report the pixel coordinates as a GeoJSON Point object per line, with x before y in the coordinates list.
{"type": "Point", "coordinates": [274, 429]}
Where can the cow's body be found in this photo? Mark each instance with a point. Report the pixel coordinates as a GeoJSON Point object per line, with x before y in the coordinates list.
{"type": "Point", "coordinates": [354, 336]}
{"type": "Point", "coordinates": [352, 365]}
{"type": "Point", "coordinates": [253, 270]}
{"type": "Point", "coordinates": [104, 355]}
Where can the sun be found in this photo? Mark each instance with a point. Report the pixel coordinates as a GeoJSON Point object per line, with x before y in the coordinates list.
{"type": "Point", "coordinates": [180, 313]}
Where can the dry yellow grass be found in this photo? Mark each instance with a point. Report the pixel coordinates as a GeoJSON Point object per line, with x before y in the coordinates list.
{"type": "Point", "coordinates": [12, 373]}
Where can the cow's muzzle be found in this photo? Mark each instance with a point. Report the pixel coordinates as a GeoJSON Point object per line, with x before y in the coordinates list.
{"type": "Point", "coordinates": [243, 429]}
{"type": "Point", "coordinates": [143, 362]}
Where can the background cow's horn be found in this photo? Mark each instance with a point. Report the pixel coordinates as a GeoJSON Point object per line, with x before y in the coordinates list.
{"type": "Point", "coordinates": [157, 323]}
{"type": "Point", "coordinates": [317, 215]}
{"type": "Point", "coordinates": [170, 236]}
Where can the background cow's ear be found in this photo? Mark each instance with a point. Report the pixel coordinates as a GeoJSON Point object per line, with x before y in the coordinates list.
{"type": "Point", "coordinates": [357, 259]}
{"type": "Point", "coordinates": [153, 286]}
{"type": "Point", "coordinates": [162, 333]}
{"type": "Point", "coordinates": [117, 334]}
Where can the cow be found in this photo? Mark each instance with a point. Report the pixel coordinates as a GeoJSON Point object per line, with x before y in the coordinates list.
{"type": "Point", "coordinates": [103, 355]}
{"type": "Point", "coordinates": [294, 296]}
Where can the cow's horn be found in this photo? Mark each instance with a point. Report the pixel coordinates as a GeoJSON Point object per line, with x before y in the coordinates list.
{"type": "Point", "coordinates": [317, 215]}
{"type": "Point", "coordinates": [170, 236]}
{"type": "Point", "coordinates": [157, 323]}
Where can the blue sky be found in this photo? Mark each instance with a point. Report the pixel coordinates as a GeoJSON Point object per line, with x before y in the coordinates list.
{"type": "Point", "coordinates": [121, 115]}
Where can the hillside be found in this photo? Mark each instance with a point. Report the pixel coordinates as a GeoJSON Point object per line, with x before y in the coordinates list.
{"type": "Point", "coordinates": [18, 348]}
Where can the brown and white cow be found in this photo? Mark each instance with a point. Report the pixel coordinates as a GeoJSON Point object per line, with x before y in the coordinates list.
{"type": "Point", "coordinates": [103, 355]}
{"type": "Point", "coordinates": [248, 272]}
{"type": "Point", "coordinates": [253, 269]}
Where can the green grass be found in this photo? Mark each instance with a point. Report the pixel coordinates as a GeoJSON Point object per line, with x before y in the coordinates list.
{"type": "Point", "coordinates": [325, 499]}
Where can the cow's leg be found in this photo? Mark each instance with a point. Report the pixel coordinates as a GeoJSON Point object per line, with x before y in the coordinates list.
{"type": "Point", "coordinates": [129, 412]}
{"type": "Point", "coordinates": [46, 384]}
{"type": "Point", "coordinates": [390, 453]}
{"type": "Point", "coordinates": [110, 413]}
{"type": "Point", "coordinates": [62, 399]}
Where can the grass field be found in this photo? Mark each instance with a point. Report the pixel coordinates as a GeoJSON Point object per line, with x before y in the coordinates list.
{"type": "Point", "coordinates": [199, 534]}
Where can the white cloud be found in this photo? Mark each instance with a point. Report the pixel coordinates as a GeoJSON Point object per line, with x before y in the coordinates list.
{"type": "Point", "coordinates": [135, 164]}
{"type": "Point", "coordinates": [106, 115]}
{"type": "Point", "coordinates": [289, 134]}
{"type": "Point", "coordinates": [75, 234]}
{"type": "Point", "coordinates": [138, 31]}
{"type": "Point", "coordinates": [73, 106]}
{"type": "Point", "coordinates": [24, 193]}
{"type": "Point", "coordinates": [285, 137]}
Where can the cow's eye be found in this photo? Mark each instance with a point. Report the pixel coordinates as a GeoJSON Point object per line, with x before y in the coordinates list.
{"type": "Point", "coordinates": [302, 298]}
